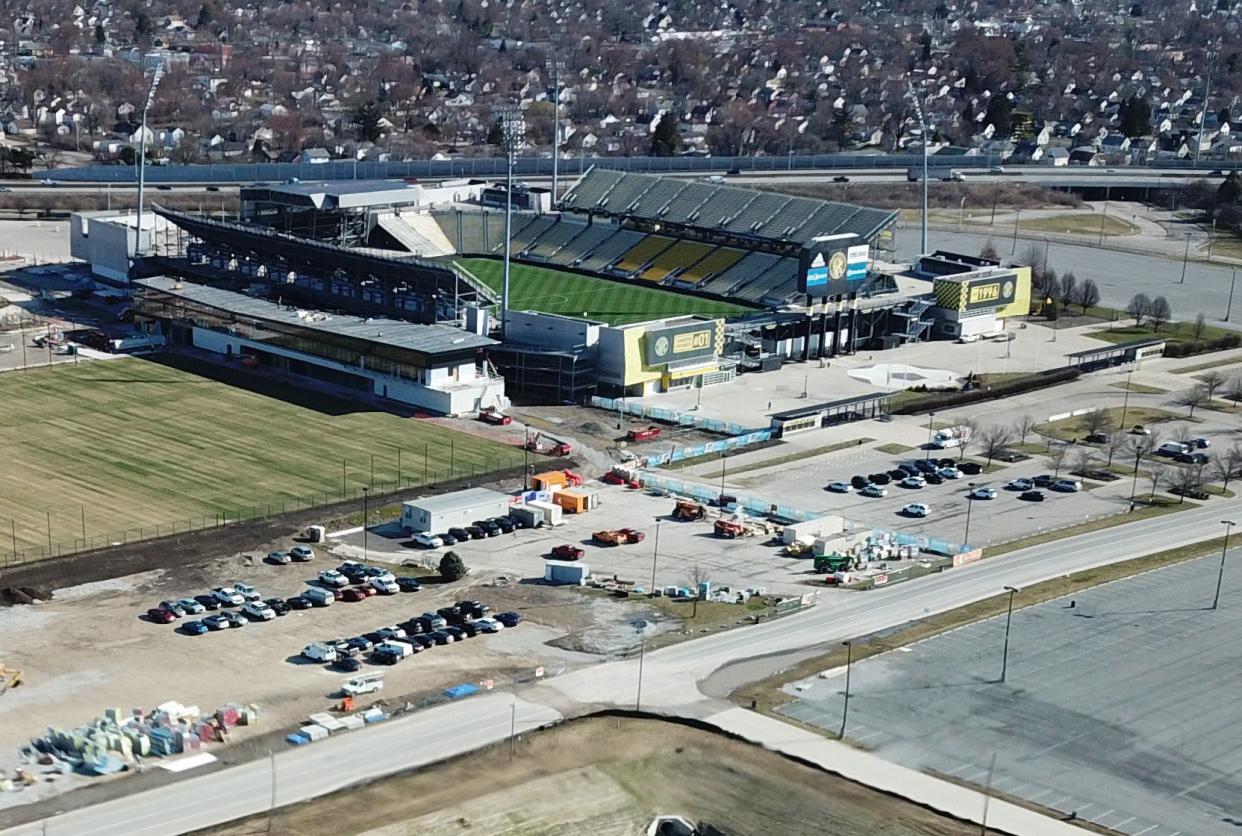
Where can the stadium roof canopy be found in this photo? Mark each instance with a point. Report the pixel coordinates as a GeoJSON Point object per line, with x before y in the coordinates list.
{"type": "Point", "coordinates": [727, 210]}
{"type": "Point", "coordinates": [337, 194]}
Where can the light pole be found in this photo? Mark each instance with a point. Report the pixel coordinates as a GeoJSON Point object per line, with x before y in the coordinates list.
{"type": "Point", "coordinates": [1008, 619]}
{"type": "Point", "coordinates": [655, 555]}
{"type": "Point", "coordinates": [1185, 258]}
{"type": "Point", "coordinates": [969, 504]}
{"type": "Point", "coordinates": [366, 518]}
{"type": "Point", "coordinates": [1125, 402]}
{"type": "Point", "coordinates": [1017, 219]}
{"type": "Point", "coordinates": [642, 654]}
{"type": "Point", "coordinates": [723, 456]}
{"type": "Point", "coordinates": [961, 212]}
{"type": "Point", "coordinates": [554, 73]}
{"type": "Point", "coordinates": [1232, 279]}
{"type": "Point", "coordinates": [845, 711]}
{"type": "Point", "coordinates": [512, 132]}
{"type": "Point", "coordinates": [931, 417]}
{"type": "Point", "coordinates": [918, 108]}
{"type": "Point", "coordinates": [156, 75]}
{"type": "Point", "coordinates": [1220, 576]}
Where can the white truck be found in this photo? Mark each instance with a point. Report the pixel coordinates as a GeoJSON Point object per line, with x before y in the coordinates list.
{"type": "Point", "coordinates": [365, 684]}
{"type": "Point", "coordinates": [320, 652]}
{"type": "Point", "coordinates": [950, 437]}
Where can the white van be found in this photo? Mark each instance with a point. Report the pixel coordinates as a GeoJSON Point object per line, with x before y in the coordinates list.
{"type": "Point", "coordinates": [320, 652]}
{"type": "Point", "coordinates": [402, 649]}
{"type": "Point", "coordinates": [366, 684]}
{"type": "Point", "coordinates": [319, 597]}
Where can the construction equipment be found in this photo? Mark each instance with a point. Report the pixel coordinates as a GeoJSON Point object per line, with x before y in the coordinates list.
{"type": "Point", "coordinates": [649, 434]}
{"type": "Point", "coordinates": [618, 536]}
{"type": "Point", "coordinates": [688, 510]}
{"type": "Point", "coordinates": [798, 549]}
{"type": "Point", "coordinates": [491, 415]}
{"type": "Point", "coordinates": [732, 529]}
{"type": "Point", "coordinates": [9, 678]}
{"type": "Point", "coordinates": [553, 446]}
{"type": "Point", "coordinates": [835, 562]}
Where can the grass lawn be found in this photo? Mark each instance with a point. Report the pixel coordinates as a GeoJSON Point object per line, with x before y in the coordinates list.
{"type": "Point", "coordinates": [1076, 428]}
{"type": "Point", "coordinates": [118, 445]}
{"type": "Point", "coordinates": [894, 449]}
{"type": "Point", "coordinates": [1211, 364]}
{"type": "Point", "coordinates": [1140, 388]}
{"type": "Point", "coordinates": [571, 294]}
{"type": "Point", "coordinates": [1173, 332]}
{"type": "Point", "coordinates": [1079, 223]}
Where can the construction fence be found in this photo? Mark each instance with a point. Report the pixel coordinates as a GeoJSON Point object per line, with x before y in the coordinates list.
{"type": "Point", "coordinates": [672, 416]}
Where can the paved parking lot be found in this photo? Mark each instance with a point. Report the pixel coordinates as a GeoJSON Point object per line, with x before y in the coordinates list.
{"type": "Point", "coordinates": [1121, 708]}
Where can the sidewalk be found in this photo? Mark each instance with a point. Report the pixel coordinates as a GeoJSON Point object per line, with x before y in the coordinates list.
{"type": "Point", "coordinates": [885, 776]}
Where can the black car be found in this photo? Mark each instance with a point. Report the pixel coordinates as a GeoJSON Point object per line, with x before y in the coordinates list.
{"type": "Point", "coordinates": [440, 637]}
{"type": "Point", "coordinates": [970, 468]}
{"type": "Point", "coordinates": [1032, 496]}
{"type": "Point", "coordinates": [209, 602]}
{"type": "Point", "coordinates": [1098, 438]}
{"type": "Point", "coordinates": [450, 614]}
{"type": "Point", "coordinates": [385, 657]}
{"type": "Point", "coordinates": [299, 602]}
{"type": "Point", "coordinates": [277, 606]}
{"type": "Point", "coordinates": [879, 478]}
{"type": "Point", "coordinates": [1044, 480]}
{"type": "Point", "coordinates": [346, 664]}
{"type": "Point", "coordinates": [1191, 458]}
{"type": "Point", "coordinates": [933, 479]}
{"type": "Point", "coordinates": [925, 466]}
{"type": "Point", "coordinates": [362, 644]}
{"type": "Point", "coordinates": [476, 533]}
{"type": "Point", "coordinates": [908, 468]}
{"type": "Point", "coordinates": [457, 633]}
{"type": "Point", "coordinates": [470, 629]}
{"type": "Point", "coordinates": [840, 178]}
{"type": "Point", "coordinates": [407, 584]}
{"type": "Point", "coordinates": [509, 619]}
{"type": "Point", "coordinates": [507, 525]}
{"type": "Point", "coordinates": [946, 462]}
{"type": "Point", "coordinates": [488, 526]}
{"type": "Point", "coordinates": [421, 624]}
{"type": "Point", "coordinates": [473, 609]}
{"type": "Point", "coordinates": [858, 482]}
{"type": "Point", "coordinates": [897, 474]}
{"type": "Point", "coordinates": [423, 641]}
{"type": "Point", "coordinates": [459, 535]}
{"type": "Point", "coordinates": [447, 539]}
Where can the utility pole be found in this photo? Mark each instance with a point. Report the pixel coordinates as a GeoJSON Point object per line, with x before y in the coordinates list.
{"type": "Point", "coordinates": [271, 810]}
{"type": "Point", "coordinates": [512, 727]}
{"type": "Point", "coordinates": [156, 76]}
{"type": "Point", "coordinates": [1185, 258]}
{"type": "Point", "coordinates": [969, 504]}
{"type": "Point", "coordinates": [1016, 220]}
{"type": "Point", "coordinates": [849, 663]}
{"type": "Point", "coordinates": [918, 108]}
{"type": "Point", "coordinates": [1220, 576]}
{"type": "Point", "coordinates": [554, 72]}
{"type": "Point", "coordinates": [931, 417]}
{"type": "Point", "coordinates": [366, 519]}
{"type": "Point", "coordinates": [1008, 619]}
{"type": "Point", "coordinates": [1233, 277]}
{"type": "Point", "coordinates": [1207, 97]}
{"type": "Point", "coordinates": [512, 132]}
{"type": "Point", "coordinates": [642, 653]}
{"type": "Point", "coordinates": [655, 555]}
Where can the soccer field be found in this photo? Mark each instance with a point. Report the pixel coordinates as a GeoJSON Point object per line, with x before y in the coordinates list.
{"type": "Point", "coordinates": [571, 294]}
{"type": "Point", "coordinates": [114, 446]}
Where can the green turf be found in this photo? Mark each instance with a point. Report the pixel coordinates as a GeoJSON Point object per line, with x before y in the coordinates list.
{"type": "Point", "coordinates": [135, 443]}
{"type": "Point", "coordinates": [572, 294]}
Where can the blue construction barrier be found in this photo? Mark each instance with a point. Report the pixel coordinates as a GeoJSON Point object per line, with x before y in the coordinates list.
{"type": "Point", "coordinates": [459, 691]}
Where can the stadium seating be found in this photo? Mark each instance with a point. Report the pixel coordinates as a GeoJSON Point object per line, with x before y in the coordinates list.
{"type": "Point", "coordinates": [589, 191]}
{"type": "Point", "coordinates": [583, 244]}
{"type": "Point", "coordinates": [827, 216]}
{"type": "Point", "coordinates": [790, 217]}
{"type": "Point", "coordinates": [525, 237]}
{"type": "Point", "coordinates": [641, 253]}
{"type": "Point", "coordinates": [746, 270]}
{"type": "Point", "coordinates": [654, 200]}
{"type": "Point", "coordinates": [628, 190]}
{"type": "Point", "coordinates": [774, 284]}
{"type": "Point", "coordinates": [688, 201]}
{"type": "Point", "coordinates": [609, 251]}
{"type": "Point", "coordinates": [553, 239]}
{"type": "Point", "coordinates": [756, 213]}
{"type": "Point", "coordinates": [717, 261]}
{"type": "Point", "coordinates": [722, 206]}
{"type": "Point", "coordinates": [676, 257]}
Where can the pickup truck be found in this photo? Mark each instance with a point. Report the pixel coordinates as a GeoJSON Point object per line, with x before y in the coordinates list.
{"type": "Point", "coordinates": [568, 551]}
{"type": "Point", "coordinates": [618, 537]}
{"type": "Point", "coordinates": [491, 416]}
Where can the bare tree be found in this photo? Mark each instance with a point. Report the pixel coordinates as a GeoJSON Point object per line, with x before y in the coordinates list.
{"type": "Point", "coordinates": [1138, 308]}
{"type": "Point", "coordinates": [1115, 444]}
{"type": "Point", "coordinates": [969, 429]}
{"type": "Point", "coordinates": [1225, 467]}
{"type": "Point", "coordinates": [1158, 477]}
{"type": "Point", "coordinates": [1025, 426]}
{"type": "Point", "coordinates": [1088, 295]}
{"type": "Point", "coordinates": [1069, 288]}
{"type": "Point", "coordinates": [1186, 480]}
{"type": "Point", "coordinates": [1200, 323]}
{"type": "Point", "coordinates": [1212, 382]}
{"type": "Point", "coordinates": [995, 441]}
{"type": "Point", "coordinates": [1083, 459]}
{"type": "Point", "coordinates": [1056, 457]}
{"type": "Point", "coordinates": [1233, 390]}
{"type": "Point", "coordinates": [1159, 313]}
{"type": "Point", "coordinates": [1095, 421]}
{"type": "Point", "coordinates": [697, 576]}
{"type": "Point", "coordinates": [1193, 398]}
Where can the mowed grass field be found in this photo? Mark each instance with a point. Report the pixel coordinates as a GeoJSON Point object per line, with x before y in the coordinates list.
{"type": "Point", "coordinates": [571, 294]}
{"type": "Point", "coordinates": [133, 443]}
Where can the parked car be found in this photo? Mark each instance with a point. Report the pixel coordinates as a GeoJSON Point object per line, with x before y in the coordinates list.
{"type": "Point", "coordinates": [840, 178]}
{"type": "Point", "coordinates": [391, 632]}
{"type": "Point", "coordinates": [217, 622]}
{"type": "Point", "coordinates": [879, 478]}
{"type": "Point", "coordinates": [1044, 480]}
{"type": "Point", "coordinates": [367, 590]}
{"type": "Point", "coordinates": [1032, 496]}
{"type": "Point", "coordinates": [567, 551]}
{"type": "Point", "coordinates": [469, 628]}
{"type": "Point", "coordinates": [908, 468]}
{"type": "Point", "coordinates": [247, 592]}
{"type": "Point", "coordinates": [913, 482]}
{"type": "Point", "coordinates": [459, 535]}
{"type": "Point", "coordinates": [916, 509]}
{"type": "Point", "coordinates": [509, 619]}
{"type": "Point", "coordinates": [280, 558]}
{"type": "Point", "coordinates": [1202, 443]}
{"type": "Point", "coordinates": [1019, 484]}
{"type": "Point", "coordinates": [258, 611]}
{"type": "Point", "coordinates": [209, 602]}
{"type": "Point", "coordinates": [320, 652]}
{"type": "Point", "coordinates": [1191, 458]}
{"type": "Point", "coordinates": [507, 526]}
{"type": "Point", "coordinates": [299, 602]}
{"type": "Point", "coordinates": [934, 479]}
{"type": "Point", "coordinates": [434, 620]}
{"type": "Point", "coordinates": [1097, 438]}
{"type": "Point", "coordinates": [190, 606]}
{"type": "Point", "coordinates": [1067, 486]}
{"type": "Point", "coordinates": [1139, 429]}
{"type": "Point", "coordinates": [408, 584]}
{"type": "Point", "coordinates": [949, 472]}
{"type": "Point", "coordinates": [925, 466]}
{"type": "Point", "coordinates": [277, 606]}
{"type": "Point", "coordinates": [488, 625]}
{"type": "Point", "coordinates": [447, 539]}
{"type": "Point", "coordinates": [897, 474]}
{"type": "Point", "coordinates": [333, 579]}
{"type": "Point", "coordinates": [440, 637]}
{"type": "Point", "coordinates": [428, 540]}
{"type": "Point", "coordinates": [859, 482]}
{"type": "Point", "coordinates": [451, 615]}
{"type": "Point", "coordinates": [386, 656]}
{"type": "Point", "coordinates": [161, 616]}
{"type": "Point", "coordinates": [475, 533]}
{"type": "Point", "coordinates": [347, 664]}
{"type": "Point", "coordinates": [385, 586]}
{"type": "Point", "coordinates": [302, 554]}
{"type": "Point", "coordinates": [456, 632]}
{"type": "Point", "coordinates": [983, 493]}
{"type": "Point", "coordinates": [235, 619]}
{"type": "Point", "coordinates": [489, 526]}
{"type": "Point", "coordinates": [172, 607]}
{"type": "Point", "coordinates": [353, 595]}
{"type": "Point", "coordinates": [970, 468]}
{"type": "Point", "coordinates": [840, 487]}
{"type": "Point", "coordinates": [320, 597]}
{"type": "Point", "coordinates": [194, 628]}
{"type": "Point", "coordinates": [1173, 449]}
{"type": "Point", "coordinates": [874, 491]}
{"type": "Point", "coordinates": [422, 640]}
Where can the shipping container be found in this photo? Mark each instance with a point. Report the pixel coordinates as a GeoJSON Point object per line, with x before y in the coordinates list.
{"type": "Point", "coordinates": [577, 500]}
{"type": "Point", "coordinates": [565, 572]}
{"type": "Point", "coordinates": [551, 512]}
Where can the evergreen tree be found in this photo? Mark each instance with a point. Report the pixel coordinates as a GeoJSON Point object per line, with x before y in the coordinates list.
{"type": "Point", "coordinates": [367, 116]}
{"type": "Point", "coordinates": [666, 139]}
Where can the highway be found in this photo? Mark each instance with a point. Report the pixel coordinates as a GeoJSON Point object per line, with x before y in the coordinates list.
{"type": "Point", "coordinates": [670, 685]}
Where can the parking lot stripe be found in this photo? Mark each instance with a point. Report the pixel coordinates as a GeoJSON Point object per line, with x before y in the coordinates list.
{"type": "Point", "coordinates": [1121, 823]}
{"type": "Point", "coordinates": [1141, 832]}
{"type": "Point", "coordinates": [1100, 816]}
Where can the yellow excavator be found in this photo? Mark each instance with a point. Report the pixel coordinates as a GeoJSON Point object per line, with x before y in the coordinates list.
{"type": "Point", "coordinates": [9, 678]}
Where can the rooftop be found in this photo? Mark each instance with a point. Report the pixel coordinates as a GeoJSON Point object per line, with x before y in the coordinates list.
{"type": "Point", "coordinates": [457, 499]}
{"type": "Point", "coordinates": [336, 194]}
{"type": "Point", "coordinates": [427, 339]}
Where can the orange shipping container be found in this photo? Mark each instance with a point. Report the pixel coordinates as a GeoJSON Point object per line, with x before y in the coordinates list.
{"type": "Point", "coordinates": [547, 480]}
{"type": "Point", "coordinates": [576, 501]}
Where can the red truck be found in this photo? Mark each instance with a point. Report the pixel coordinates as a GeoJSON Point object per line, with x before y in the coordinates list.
{"type": "Point", "coordinates": [491, 416]}
{"type": "Point", "coordinates": [554, 446]}
{"type": "Point", "coordinates": [568, 551]}
{"type": "Point", "coordinates": [649, 434]}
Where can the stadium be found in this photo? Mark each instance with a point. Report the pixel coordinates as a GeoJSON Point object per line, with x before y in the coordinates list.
{"type": "Point", "coordinates": [598, 277]}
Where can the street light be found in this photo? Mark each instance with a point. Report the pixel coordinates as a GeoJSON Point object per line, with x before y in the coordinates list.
{"type": "Point", "coordinates": [156, 76]}
{"type": "Point", "coordinates": [1008, 619]}
{"type": "Point", "coordinates": [554, 72]}
{"type": "Point", "coordinates": [845, 712]}
{"type": "Point", "coordinates": [969, 504]}
{"type": "Point", "coordinates": [931, 416]}
{"type": "Point", "coordinates": [723, 456]}
{"type": "Point", "coordinates": [1185, 258]}
{"type": "Point", "coordinates": [655, 555]}
{"type": "Point", "coordinates": [1220, 576]}
{"type": "Point", "coordinates": [512, 132]}
{"type": "Point", "coordinates": [1016, 220]}
{"type": "Point", "coordinates": [918, 108]}
{"type": "Point", "coordinates": [366, 518]}
{"type": "Point", "coordinates": [1233, 278]}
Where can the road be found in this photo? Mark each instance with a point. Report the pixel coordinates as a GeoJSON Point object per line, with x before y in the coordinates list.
{"type": "Point", "coordinates": [670, 685]}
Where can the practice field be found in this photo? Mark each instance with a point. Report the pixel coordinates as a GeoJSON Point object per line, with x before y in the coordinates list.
{"type": "Point", "coordinates": [571, 294]}
{"type": "Point", "coordinates": [111, 446]}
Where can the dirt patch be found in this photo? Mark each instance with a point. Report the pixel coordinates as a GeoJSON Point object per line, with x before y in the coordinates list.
{"type": "Point", "coordinates": [11, 596]}
{"type": "Point", "coordinates": [623, 772]}
{"type": "Point", "coordinates": [940, 195]}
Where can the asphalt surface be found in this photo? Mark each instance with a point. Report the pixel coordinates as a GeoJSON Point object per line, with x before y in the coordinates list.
{"type": "Point", "coordinates": [669, 684]}
{"type": "Point", "coordinates": [1119, 709]}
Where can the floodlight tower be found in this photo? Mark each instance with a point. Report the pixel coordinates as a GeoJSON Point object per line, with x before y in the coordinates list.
{"type": "Point", "coordinates": [142, 151]}
{"type": "Point", "coordinates": [554, 74]}
{"type": "Point", "coordinates": [512, 132]}
{"type": "Point", "coordinates": [918, 109]}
